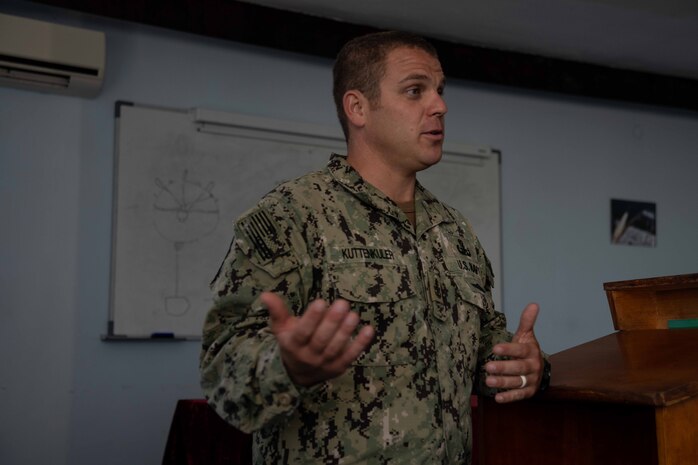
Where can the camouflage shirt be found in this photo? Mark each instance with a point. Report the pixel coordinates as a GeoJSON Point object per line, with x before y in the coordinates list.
{"type": "Point", "coordinates": [425, 290]}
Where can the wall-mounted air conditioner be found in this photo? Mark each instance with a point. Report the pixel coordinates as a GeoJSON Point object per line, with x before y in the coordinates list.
{"type": "Point", "coordinates": [39, 55]}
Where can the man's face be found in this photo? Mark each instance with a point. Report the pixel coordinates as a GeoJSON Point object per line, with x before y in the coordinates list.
{"type": "Point", "coordinates": [406, 126]}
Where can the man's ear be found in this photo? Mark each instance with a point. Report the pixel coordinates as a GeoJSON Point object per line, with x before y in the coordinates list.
{"type": "Point", "coordinates": [355, 107]}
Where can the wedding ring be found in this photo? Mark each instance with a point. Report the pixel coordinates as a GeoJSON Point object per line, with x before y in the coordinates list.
{"type": "Point", "coordinates": [524, 382]}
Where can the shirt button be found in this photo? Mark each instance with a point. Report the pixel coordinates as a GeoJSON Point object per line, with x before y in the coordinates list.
{"type": "Point", "coordinates": [284, 399]}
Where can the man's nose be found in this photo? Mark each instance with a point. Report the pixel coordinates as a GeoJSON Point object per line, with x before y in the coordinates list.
{"type": "Point", "coordinates": [439, 106]}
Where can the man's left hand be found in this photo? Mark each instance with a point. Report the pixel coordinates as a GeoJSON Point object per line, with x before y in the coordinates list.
{"type": "Point", "coordinates": [524, 362]}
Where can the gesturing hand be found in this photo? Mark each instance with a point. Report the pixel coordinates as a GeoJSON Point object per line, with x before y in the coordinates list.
{"type": "Point", "coordinates": [317, 345]}
{"type": "Point", "coordinates": [525, 362]}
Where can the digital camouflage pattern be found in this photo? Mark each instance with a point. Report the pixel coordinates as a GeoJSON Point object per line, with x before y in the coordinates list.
{"type": "Point", "coordinates": [426, 293]}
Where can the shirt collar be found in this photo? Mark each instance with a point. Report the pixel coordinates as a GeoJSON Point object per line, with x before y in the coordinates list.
{"type": "Point", "coordinates": [429, 210]}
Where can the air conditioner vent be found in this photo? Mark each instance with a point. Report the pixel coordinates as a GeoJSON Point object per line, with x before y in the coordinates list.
{"type": "Point", "coordinates": [47, 64]}
{"type": "Point", "coordinates": [34, 77]}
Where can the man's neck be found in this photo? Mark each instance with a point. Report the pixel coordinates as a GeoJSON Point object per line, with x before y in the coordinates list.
{"type": "Point", "coordinates": [397, 186]}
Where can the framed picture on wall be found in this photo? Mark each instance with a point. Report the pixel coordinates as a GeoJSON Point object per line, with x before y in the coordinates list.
{"type": "Point", "coordinates": [633, 223]}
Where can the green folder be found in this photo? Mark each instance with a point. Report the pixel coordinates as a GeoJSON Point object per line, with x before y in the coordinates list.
{"type": "Point", "coordinates": [688, 323]}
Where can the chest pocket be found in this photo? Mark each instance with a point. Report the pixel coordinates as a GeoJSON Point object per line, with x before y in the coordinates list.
{"type": "Point", "coordinates": [463, 273]}
{"type": "Point", "coordinates": [458, 309]}
{"type": "Point", "coordinates": [468, 291]}
{"type": "Point", "coordinates": [383, 296]}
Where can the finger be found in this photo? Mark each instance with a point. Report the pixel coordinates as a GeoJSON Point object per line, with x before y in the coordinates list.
{"type": "Point", "coordinates": [341, 338]}
{"type": "Point", "coordinates": [328, 326]}
{"type": "Point", "coordinates": [505, 382]}
{"type": "Point", "coordinates": [514, 395]}
{"type": "Point", "coordinates": [507, 367]}
{"type": "Point", "coordinates": [309, 321]}
{"type": "Point", "coordinates": [512, 388]}
{"type": "Point", "coordinates": [515, 350]}
{"type": "Point", "coordinates": [279, 316]}
{"type": "Point", "coordinates": [524, 333]}
{"type": "Point", "coordinates": [357, 346]}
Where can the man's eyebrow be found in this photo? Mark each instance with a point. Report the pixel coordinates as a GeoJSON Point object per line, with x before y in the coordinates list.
{"type": "Point", "coordinates": [415, 77]}
{"type": "Point", "coordinates": [421, 77]}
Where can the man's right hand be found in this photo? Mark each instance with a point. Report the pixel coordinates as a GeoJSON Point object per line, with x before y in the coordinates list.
{"type": "Point", "coordinates": [316, 346]}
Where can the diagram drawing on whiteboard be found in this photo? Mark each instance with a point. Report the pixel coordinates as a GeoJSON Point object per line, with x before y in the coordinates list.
{"type": "Point", "coordinates": [184, 211]}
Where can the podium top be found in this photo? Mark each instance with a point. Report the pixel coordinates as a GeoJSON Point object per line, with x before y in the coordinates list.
{"type": "Point", "coordinates": [660, 283]}
{"type": "Point", "coordinates": [646, 367]}
{"type": "Point", "coordinates": [652, 303]}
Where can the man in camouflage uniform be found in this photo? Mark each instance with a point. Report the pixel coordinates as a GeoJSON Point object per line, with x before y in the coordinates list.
{"type": "Point", "coordinates": [353, 314]}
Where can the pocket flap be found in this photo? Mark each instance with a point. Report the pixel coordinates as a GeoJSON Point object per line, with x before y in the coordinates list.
{"type": "Point", "coordinates": [372, 282]}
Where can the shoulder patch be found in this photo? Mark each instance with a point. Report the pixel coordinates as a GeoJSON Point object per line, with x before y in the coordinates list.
{"type": "Point", "coordinates": [262, 233]}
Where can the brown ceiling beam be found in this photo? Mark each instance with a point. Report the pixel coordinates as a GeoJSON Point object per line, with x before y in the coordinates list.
{"type": "Point", "coordinates": [301, 33]}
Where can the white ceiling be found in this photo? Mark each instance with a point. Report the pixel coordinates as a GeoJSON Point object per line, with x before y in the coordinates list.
{"type": "Point", "coordinates": [658, 36]}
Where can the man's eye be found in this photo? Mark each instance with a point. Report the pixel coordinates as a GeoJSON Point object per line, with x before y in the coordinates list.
{"type": "Point", "coordinates": [414, 91]}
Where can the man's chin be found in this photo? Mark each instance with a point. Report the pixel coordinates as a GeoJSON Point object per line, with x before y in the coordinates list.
{"type": "Point", "coordinates": [431, 160]}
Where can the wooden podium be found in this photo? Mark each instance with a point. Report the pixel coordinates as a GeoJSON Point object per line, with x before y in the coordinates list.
{"type": "Point", "coordinates": [627, 398]}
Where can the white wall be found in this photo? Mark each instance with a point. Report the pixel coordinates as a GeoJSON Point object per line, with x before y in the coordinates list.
{"type": "Point", "coordinates": [66, 397]}
{"type": "Point", "coordinates": [563, 160]}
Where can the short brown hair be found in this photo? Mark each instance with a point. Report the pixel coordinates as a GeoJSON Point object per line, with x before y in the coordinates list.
{"type": "Point", "coordinates": [360, 65]}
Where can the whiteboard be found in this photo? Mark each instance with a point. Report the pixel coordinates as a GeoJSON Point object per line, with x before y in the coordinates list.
{"type": "Point", "coordinates": [182, 176]}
